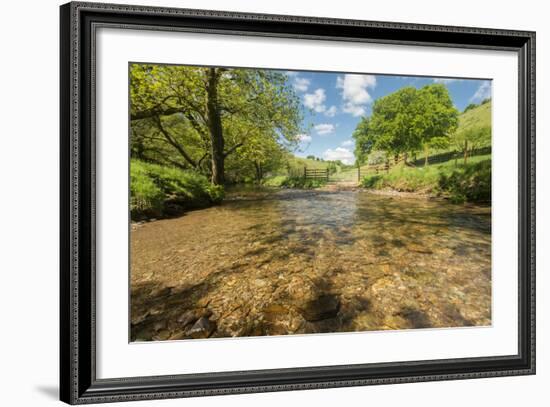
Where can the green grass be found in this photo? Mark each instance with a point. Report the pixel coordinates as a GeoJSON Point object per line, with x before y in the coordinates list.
{"type": "Point", "coordinates": [284, 181]}
{"type": "Point", "coordinates": [460, 183]}
{"type": "Point", "coordinates": [297, 164]}
{"type": "Point", "coordinates": [303, 183]}
{"type": "Point", "coordinates": [475, 118]}
{"type": "Point", "coordinates": [274, 180]}
{"type": "Point", "coordinates": [157, 191]}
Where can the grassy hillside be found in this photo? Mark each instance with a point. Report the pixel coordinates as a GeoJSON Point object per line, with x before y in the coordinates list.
{"type": "Point", "coordinates": [297, 164]}
{"type": "Point", "coordinates": [477, 117]}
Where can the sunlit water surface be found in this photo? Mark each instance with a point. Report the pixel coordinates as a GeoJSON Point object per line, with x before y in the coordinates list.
{"type": "Point", "coordinates": [294, 262]}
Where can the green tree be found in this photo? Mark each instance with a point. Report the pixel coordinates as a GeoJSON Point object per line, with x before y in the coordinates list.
{"type": "Point", "coordinates": [364, 141]}
{"type": "Point", "coordinates": [437, 118]}
{"type": "Point", "coordinates": [395, 122]}
{"type": "Point", "coordinates": [201, 113]}
{"type": "Point", "coordinates": [470, 107]}
{"type": "Point", "coordinates": [407, 121]}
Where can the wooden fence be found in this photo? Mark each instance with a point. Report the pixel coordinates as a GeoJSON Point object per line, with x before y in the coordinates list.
{"type": "Point", "coordinates": [316, 173]}
{"type": "Point", "coordinates": [442, 157]}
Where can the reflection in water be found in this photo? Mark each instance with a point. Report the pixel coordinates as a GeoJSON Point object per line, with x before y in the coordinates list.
{"type": "Point", "coordinates": [272, 263]}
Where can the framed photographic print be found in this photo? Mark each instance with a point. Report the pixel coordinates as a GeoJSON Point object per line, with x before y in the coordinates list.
{"type": "Point", "coordinates": [255, 203]}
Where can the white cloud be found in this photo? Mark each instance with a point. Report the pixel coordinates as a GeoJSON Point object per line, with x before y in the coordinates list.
{"type": "Point", "coordinates": [483, 92]}
{"type": "Point", "coordinates": [354, 110]}
{"type": "Point", "coordinates": [347, 143]}
{"type": "Point", "coordinates": [291, 73]}
{"type": "Point", "coordinates": [339, 153]}
{"type": "Point", "coordinates": [331, 111]}
{"type": "Point", "coordinates": [304, 138]}
{"type": "Point", "coordinates": [301, 84]}
{"type": "Point", "coordinates": [355, 93]}
{"type": "Point", "coordinates": [316, 100]}
{"type": "Point", "coordinates": [324, 128]}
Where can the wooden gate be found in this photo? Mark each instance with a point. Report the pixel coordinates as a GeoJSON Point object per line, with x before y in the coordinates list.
{"type": "Point", "coordinates": [316, 173]}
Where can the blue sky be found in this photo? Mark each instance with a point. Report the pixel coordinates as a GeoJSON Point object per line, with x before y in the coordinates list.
{"type": "Point", "coordinates": [333, 104]}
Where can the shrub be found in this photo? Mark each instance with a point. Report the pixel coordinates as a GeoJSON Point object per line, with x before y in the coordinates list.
{"type": "Point", "coordinates": [274, 181]}
{"type": "Point", "coordinates": [157, 190]}
{"type": "Point", "coordinates": [303, 183]}
{"type": "Point", "coordinates": [146, 197]}
{"type": "Point", "coordinates": [469, 183]}
{"type": "Point", "coordinates": [372, 181]}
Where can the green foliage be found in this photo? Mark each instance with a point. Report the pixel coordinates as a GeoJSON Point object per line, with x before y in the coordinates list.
{"type": "Point", "coordinates": [216, 193]}
{"type": "Point", "coordinates": [302, 183]}
{"type": "Point", "coordinates": [406, 179]}
{"type": "Point", "coordinates": [468, 183]}
{"type": "Point", "coordinates": [365, 140]}
{"type": "Point", "coordinates": [470, 107]}
{"type": "Point", "coordinates": [377, 157]}
{"type": "Point", "coordinates": [146, 197]}
{"type": "Point", "coordinates": [274, 180]}
{"type": "Point", "coordinates": [259, 112]}
{"type": "Point", "coordinates": [407, 121]}
{"type": "Point", "coordinates": [158, 190]}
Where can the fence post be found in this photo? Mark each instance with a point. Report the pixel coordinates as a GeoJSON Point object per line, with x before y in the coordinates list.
{"type": "Point", "coordinates": [305, 172]}
{"type": "Point", "coordinates": [327, 174]}
{"type": "Point", "coordinates": [358, 174]}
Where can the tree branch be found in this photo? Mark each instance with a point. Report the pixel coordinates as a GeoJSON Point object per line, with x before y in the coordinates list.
{"type": "Point", "coordinates": [173, 142]}
{"type": "Point", "coordinates": [154, 112]}
{"type": "Point", "coordinates": [232, 149]}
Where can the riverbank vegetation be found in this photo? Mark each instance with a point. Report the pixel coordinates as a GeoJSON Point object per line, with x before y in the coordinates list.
{"type": "Point", "coordinates": [195, 130]}
{"type": "Point", "coordinates": [459, 182]}
{"type": "Point", "coordinates": [205, 125]}
{"type": "Point", "coordinates": [157, 191]}
{"type": "Point", "coordinates": [416, 141]}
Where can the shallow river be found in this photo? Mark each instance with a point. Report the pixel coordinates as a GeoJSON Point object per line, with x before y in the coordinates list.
{"type": "Point", "coordinates": [293, 261]}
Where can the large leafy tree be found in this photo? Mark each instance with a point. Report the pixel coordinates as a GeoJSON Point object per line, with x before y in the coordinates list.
{"type": "Point", "coordinates": [395, 123]}
{"type": "Point", "coordinates": [188, 115]}
{"type": "Point", "coordinates": [437, 117]}
{"type": "Point", "coordinates": [407, 121]}
{"type": "Point", "coordinates": [364, 141]}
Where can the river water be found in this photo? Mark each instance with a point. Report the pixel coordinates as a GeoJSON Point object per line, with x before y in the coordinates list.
{"type": "Point", "coordinates": [295, 262]}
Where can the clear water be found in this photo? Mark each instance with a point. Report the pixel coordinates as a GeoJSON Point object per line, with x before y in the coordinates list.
{"type": "Point", "coordinates": [295, 262]}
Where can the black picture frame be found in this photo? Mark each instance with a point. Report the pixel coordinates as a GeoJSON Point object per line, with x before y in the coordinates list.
{"type": "Point", "coordinates": [78, 382]}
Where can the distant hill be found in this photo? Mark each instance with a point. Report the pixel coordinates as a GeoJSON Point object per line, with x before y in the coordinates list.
{"type": "Point", "coordinates": [300, 163]}
{"type": "Point", "coordinates": [477, 117]}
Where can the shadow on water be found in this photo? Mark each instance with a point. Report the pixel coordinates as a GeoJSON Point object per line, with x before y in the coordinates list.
{"type": "Point", "coordinates": [275, 263]}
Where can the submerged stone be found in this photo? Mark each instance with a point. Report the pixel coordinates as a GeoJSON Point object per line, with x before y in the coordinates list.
{"type": "Point", "coordinates": [203, 328]}
{"type": "Point", "coordinates": [323, 307]}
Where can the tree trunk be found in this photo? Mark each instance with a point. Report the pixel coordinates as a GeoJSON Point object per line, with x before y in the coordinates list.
{"type": "Point", "coordinates": [215, 127]}
{"type": "Point", "coordinates": [259, 172]}
{"type": "Point", "coordinates": [465, 151]}
{"type": "Point", "coordinates": [426, 153]}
